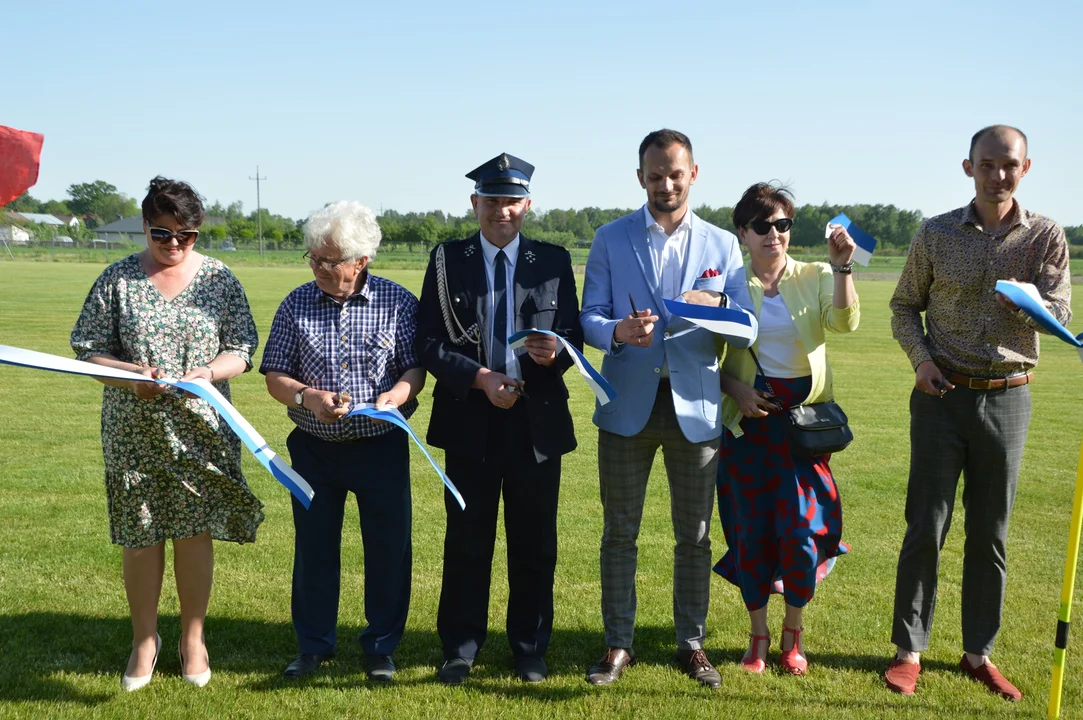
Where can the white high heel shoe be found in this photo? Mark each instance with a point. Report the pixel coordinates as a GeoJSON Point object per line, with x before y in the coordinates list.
{"type": "Point", "coordinates": [132, 684]}
{"type": "Point", "coordinates": [199, 679]}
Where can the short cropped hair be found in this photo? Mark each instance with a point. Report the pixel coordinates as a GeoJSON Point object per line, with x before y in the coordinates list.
{"type": "Point", "coordinates": [979, 135]}
{"type": "Point", "coordinates": [173, 197]}
{"type": "Point", "coordinates": [662, 139]}
{"type": "Point", "coordinates": [347, 226]}
{"type": "Point", "coordinates": [761, 201]}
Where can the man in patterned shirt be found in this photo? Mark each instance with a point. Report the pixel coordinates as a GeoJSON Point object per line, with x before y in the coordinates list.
{"type": "Point", "coordinates": [347, 337]}
{"type": "Point", "coordinates": [970, 408]}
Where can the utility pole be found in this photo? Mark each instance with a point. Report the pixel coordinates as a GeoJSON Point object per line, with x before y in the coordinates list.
{"type": "Point", "coordinates": [259, 211]}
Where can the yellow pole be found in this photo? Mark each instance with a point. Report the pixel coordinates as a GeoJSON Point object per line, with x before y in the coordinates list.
{"type": "Point", "coordinates": [1065, 615]}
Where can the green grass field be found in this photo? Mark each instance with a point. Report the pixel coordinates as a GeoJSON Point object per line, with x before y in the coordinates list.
{"type": "Point", "coordinates": [65, 634]}
{"type": "Point", "coordinates": [397, 257]}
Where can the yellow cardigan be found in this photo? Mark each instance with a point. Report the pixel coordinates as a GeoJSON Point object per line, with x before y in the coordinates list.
{"type": "Point", "coordinates": [808, 290]}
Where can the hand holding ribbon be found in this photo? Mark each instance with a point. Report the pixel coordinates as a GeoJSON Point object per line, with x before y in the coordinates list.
{"type": "Point", "coordinates": [602, 390]}
{"type": "Point", "coordinates": [151, 378]}
{"type": "Point", "coordinates": [388, 413]}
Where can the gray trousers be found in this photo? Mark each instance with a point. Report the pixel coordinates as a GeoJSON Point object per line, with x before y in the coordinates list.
{"type": "Point", "coordinates": [624, 465]}
{"type": "Point", "coordinates": [980, 434]}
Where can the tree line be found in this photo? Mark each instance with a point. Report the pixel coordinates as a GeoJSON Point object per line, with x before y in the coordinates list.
{"type": "Point", "coordinates": [99, 203]}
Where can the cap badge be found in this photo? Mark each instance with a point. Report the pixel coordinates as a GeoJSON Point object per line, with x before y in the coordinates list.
{"type": "Point", "coordinates": [503, 163]}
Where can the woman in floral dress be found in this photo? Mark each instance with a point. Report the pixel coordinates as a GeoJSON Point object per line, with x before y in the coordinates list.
{"type": "Point", "coordinates": [172, 466]}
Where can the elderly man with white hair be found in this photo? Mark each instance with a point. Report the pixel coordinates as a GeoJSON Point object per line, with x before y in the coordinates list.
{"type": "Point", "coordinates": [347, 337]}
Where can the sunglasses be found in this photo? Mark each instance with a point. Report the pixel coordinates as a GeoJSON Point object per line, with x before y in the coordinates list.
{"type": "Point", "coordinates": [163, 236]}
{"type": "Point", "coordinates": [327, 265]}
{"type": "Point", "coordinates": [762, 227]}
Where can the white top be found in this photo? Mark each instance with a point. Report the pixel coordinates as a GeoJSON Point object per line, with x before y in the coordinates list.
{"type": "Point", "coordinates": [490, 251]}
{"type": "Point", "coordinates": [781, 352]}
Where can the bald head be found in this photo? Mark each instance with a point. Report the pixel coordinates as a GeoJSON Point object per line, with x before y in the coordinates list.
{"type": "Point", "coordinates": [1004, 135]}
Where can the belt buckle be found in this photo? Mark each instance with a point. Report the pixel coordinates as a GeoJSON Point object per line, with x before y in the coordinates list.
{"type": "Point", "coordinates": [978, 383]}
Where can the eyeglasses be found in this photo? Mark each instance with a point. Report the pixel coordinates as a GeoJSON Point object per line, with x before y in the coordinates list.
{"type": "Point", "coordinates": [164, 237]}
{"type": "Point", "coordinates": [762, 227]}
{"type": "Point", "coordinates": [327, 265]}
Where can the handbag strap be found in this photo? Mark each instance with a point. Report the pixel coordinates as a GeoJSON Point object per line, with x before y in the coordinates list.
{"type": "Point", "coordinates": [759, 368]}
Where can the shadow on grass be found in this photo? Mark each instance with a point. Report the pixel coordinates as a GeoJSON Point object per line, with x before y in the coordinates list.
{"type": "Point", "coordinates": [39, 652]}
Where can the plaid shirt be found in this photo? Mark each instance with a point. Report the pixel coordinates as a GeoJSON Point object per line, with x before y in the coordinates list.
{"type": "Point", "coordinates": [362, 347]}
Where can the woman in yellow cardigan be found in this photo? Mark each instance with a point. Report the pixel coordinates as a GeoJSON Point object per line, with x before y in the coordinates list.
{"type": "Point", "coordinates": [781, 513]}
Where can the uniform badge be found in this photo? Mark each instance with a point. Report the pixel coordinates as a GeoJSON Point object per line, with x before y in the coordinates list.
{"type": "Point", "coordinates": [529, 255]}
{"type": "Point", "coordinates": [468, 250]}
{"type": "Point", "coordinates": [503, 163]}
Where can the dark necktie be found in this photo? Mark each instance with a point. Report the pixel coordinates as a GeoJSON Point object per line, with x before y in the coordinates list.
{"type": "Point", "coordinates": [500, 313]}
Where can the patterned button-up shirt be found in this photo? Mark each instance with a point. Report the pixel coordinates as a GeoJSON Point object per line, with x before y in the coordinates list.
{"type": "Point", "coordinates": [950, 275]}
{"type": "Point", "coordinates": [361, 346]}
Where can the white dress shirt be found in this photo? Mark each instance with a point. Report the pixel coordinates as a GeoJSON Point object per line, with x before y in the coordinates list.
{"type": "Point", "coordinates": [511, 250]}
{"type": "Point", "coordinates": [668, 253]}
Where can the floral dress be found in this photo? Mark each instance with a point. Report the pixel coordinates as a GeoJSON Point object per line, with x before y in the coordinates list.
{"type": "Point", "coordinates": [172, 466]}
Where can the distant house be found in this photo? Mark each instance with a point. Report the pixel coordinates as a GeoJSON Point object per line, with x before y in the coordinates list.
{"type": "Point", "coordinates": [14, 235]}
{"type": "Point", "coordinates": [130, 229]}
{"type": "Point", "coordinates": [43, 219]}
{"type": "Point", "coordinates": [71, 221]}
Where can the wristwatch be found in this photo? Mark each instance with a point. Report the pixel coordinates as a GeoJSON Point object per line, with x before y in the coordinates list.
{"type": "Point", "coordinates": [299, 397]}
{"type": "Point", "coordinates": [843, 269]}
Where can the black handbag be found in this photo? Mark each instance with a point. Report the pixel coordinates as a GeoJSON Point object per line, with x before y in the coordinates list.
{"type": "Point", "coordinates": [815, 429]}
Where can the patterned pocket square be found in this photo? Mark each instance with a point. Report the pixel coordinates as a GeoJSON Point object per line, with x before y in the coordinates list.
{"type": "Point", "coordinates": [710, 273]}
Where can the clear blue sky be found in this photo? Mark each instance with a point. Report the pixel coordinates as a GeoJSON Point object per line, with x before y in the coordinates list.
{"type": "Point", "coordinates": [391, 103]}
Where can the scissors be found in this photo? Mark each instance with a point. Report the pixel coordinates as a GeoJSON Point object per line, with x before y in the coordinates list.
{"type": "Point", "coordinates": [518, 389]}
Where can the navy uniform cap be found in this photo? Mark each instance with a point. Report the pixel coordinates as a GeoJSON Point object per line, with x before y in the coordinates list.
{"type": "Point", "coordinates": [503, 176]}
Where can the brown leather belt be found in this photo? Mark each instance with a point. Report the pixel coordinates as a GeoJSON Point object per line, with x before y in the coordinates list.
{"type": "Point", "coordinates": [1000, 383]}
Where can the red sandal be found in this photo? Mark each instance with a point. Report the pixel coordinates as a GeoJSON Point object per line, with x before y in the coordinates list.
{"type": "Point", "coordinates": [793, 661]}
{"type": "Point", "coordinates": [750, 661]}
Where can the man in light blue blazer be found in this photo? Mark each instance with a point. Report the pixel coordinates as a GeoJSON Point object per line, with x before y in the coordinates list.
{"type": "Point", "coordinates": [666, 374]}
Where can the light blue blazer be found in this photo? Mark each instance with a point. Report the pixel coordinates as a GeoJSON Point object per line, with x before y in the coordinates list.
{"type": "Point", "coordinates": [620, 263]}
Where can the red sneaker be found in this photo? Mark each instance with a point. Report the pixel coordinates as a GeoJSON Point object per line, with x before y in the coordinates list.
{"type": "Point", "coordinates": [988, 675]}
{"type": "Point", "coordinates": [902, 677]}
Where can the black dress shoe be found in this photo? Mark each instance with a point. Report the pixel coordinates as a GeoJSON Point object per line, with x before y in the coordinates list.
{"type": "Point", "coordinates": [454, 671]}
{"type": "Point", "coordinates": [612, 664]}
{"type": "Point", "coordinates": [306, 664]}
{"type": "Point", "coordinates": [531, 669]}
{"type": "Point", "coordinates": [379, 668]}
{"type": "Point", "coordinates": [696, 666]}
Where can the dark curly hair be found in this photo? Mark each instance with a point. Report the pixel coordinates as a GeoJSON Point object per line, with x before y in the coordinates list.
{"type": "Point", "coordinates": [761, 201]}
{"type": "Point", "coordinates": [173, 197]}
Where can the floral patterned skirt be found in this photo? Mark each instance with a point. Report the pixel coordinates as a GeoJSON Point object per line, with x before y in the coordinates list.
{"type": "Point", "coordinates": [173, 471]}
{"type": "Point", "coordinates": [781, 514]}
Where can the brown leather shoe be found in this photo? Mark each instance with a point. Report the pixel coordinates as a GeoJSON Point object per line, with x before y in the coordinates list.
{"type": "Point", "coordinates": [902, 677]}
{"type": "Point", "coordinates": [612, 664]}
{"type": "Point", "coordinates": [988, 675]}
{"type": "Point", "coordinates": [696, 666]}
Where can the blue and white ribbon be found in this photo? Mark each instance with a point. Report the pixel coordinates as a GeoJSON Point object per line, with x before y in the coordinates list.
{"type": "Point", "coordinates": [393, 416]}
{"type": "Point", "coordinates": [866, 243]}
{"type": "Point", "coordinates": [267, 457]}
{"type": "Point", "coordinates": [601, 388]}
{"type": "Point", "coordinates": [734, 326]}
{"type": "Point", "coordinates": [1027, 297]}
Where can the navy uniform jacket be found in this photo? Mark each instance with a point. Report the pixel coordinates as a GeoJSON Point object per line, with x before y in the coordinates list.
{"type": "Point", "coordinates": [544, 298]}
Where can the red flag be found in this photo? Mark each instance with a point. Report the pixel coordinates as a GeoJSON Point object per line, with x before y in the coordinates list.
{"type": "Point", "coordinates": [20, 154]}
